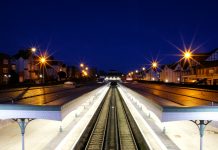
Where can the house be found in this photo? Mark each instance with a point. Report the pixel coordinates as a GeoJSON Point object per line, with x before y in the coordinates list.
{"type": "Point", "coordinates": [26, 65]}
{"type": "Point", "coordinates": [152, 75]}
{"type": "Point", "coordinates": [5, 68]}
{"type": "Point", "coordinates": [203, 68]}
{"type": "Point", "coordinates": [169, 73]}
{"type": "Point", "coordinates": [54, 68]}
{"type": "Point", "coordinates": [73, 72]}
{"type": "Point", "coordinates": [174, 72]}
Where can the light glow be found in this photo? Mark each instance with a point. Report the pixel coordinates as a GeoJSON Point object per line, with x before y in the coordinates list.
{"type": "Point", "coordinates": [187, 54]}
{"type": "Point", "coordinates": [33, 49]}
{"type": "Point", "coordinates": [81, 65]}
{"type": "Point", "coordinates": [154, 64]}
{"type": "Point", "coordinates": [43, 59]}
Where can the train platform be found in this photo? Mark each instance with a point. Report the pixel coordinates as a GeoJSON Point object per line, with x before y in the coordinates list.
{"type": "Point", "coordinates": [55, 134]}
{"type": "Point", "coordinates": [51, 134]}
{"type": "Point", "coordinates": [162, 133]}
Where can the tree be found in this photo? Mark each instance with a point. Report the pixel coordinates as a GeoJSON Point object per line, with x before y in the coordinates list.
{"type": "Point", "coordinates": [62, 75]}
{"type": "Point", "coordinates": [14, 77]}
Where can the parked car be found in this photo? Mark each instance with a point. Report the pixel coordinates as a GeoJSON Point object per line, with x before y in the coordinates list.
{"type": "Point", "coordinates": [70, 83]}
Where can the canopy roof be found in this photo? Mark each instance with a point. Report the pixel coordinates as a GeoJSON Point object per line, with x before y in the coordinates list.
{"type": "Point", "coordinates": [50, 112]}
{"type": "Point", "coordinates": [167, 110]}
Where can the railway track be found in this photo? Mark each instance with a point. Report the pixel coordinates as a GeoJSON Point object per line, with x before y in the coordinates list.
{"type": "Point", "coordinates": [112, 127]}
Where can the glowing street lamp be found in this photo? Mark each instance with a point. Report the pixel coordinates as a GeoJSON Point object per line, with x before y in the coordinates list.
{"type": "Point", "coordinates": [81, 65]}
{"type": "Point", "coordinates": [84, 73]}
{"type": "Point", "coordinates": [84, 69]}
{"type": "Point", "coordinates": [136, 71]}
{"type": "Point", "coordinates": [43, 61]}
{"type": "Point", "coordinates": [33, 49]}
{"type": "Point", "coordinates": [187, 54]}
{"type": "Point", "coordinates": [154, 64]}
{"type": "Point", "coordinates": [143, 68]}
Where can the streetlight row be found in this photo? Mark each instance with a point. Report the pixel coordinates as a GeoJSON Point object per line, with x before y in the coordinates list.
{"type": "Point", "coordinates": [154, 65]}
{"type": "Point", "coordinates": [187, 55]}
{"type": "Point", "coordinates": [84, 69]}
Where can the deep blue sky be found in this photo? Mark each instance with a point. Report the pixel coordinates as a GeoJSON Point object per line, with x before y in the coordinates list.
{"type": "Point", "coordinates": [109, 34]}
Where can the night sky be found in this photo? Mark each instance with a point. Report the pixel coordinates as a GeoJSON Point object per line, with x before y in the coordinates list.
{"type": "Point", "coordinates": [109, 34]}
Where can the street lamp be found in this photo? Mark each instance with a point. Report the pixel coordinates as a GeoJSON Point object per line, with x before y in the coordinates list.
{"type": "Point", "coordinates": [154, 64]}
{"type": "Point", "coordinates": [187, 55]}
{"type": "Point", "coordinates": [143, 72]}
{"type": "Point", "coordinates": [84, 69]}
{"type": "Point", "coordinates": [81, 65]}
{"type": "Point", "coordinates": [33, 49]}
{"type": "Point", "coordinates": [43, 62]}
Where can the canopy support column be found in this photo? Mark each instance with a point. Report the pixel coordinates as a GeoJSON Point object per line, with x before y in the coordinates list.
{"type": "Point", "coordinates": [201, 126]}
{"type": "Point", "coordinates": [22, 122]}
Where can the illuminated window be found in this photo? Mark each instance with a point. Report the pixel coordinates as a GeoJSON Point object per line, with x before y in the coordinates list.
{"type": "Point", "coordinates": [5, 61]}
{"type": "Point", "coordinates": [5, 70]}
{"type": "Point", "coordinates": [13, 67]}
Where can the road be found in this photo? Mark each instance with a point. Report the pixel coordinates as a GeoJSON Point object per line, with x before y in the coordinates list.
{"type": "Point", "coordinates": [175, 96]}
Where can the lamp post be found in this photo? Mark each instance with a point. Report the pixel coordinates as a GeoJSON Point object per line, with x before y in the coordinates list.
{"type": "Point", "coordinates": [187, 55]}
{"type": "Point", "coordinates": [154, 66]}
{"type": "Point", "coordinates": [180, 72]}
{"type": "Point", "coordinates": [43, 62]}
{"type": "Point", "coordinates": [33, 51]}
{"type": "Point", "coordinates": [143, 72]}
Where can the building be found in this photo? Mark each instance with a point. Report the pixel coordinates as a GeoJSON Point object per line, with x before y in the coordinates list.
{"type": "Point", "coordinates": [152, 75]}
{"type": "Point", "coordinates": [203, 69]}
{"type": "Point", "coordinates": [174, 72]}
{"type": "Point", "coordinates": [200, 69]}
{"type": "Point", "coordinates": [26, 66]}
{"type": "Point", "coordinates": [5, 68]}
{"type": "Point", "coordinates": [54, 68]}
